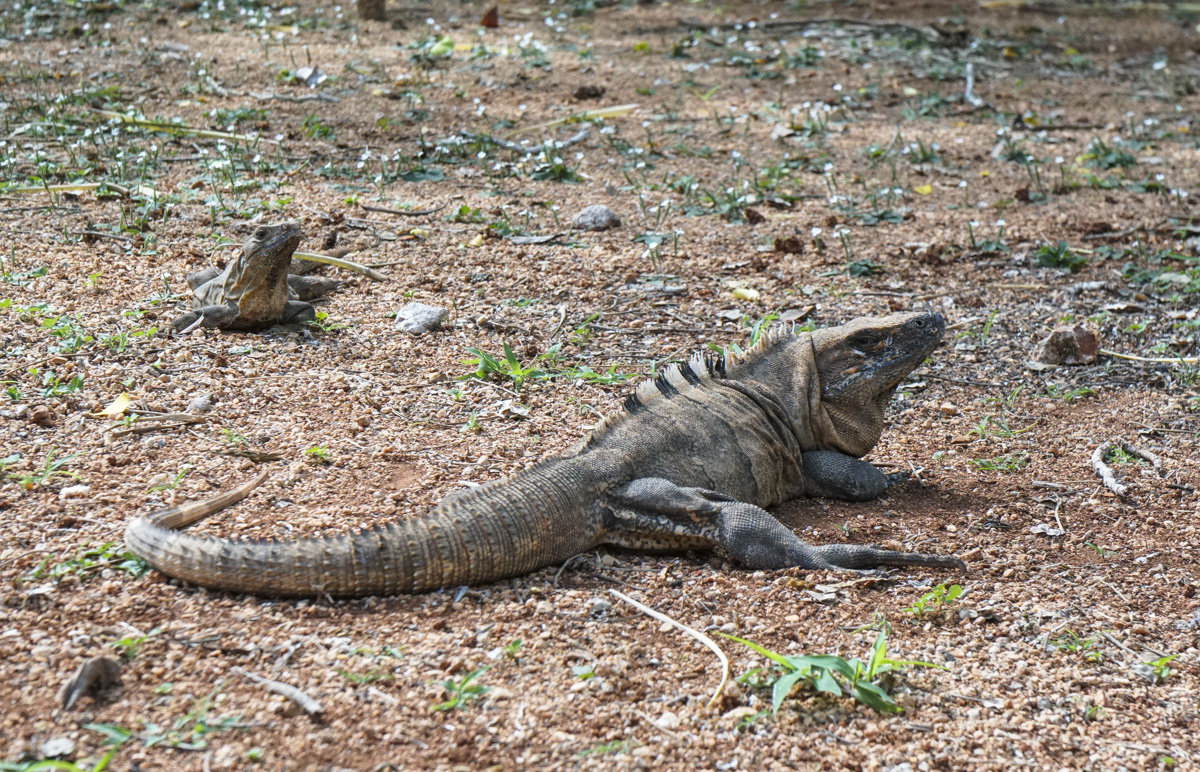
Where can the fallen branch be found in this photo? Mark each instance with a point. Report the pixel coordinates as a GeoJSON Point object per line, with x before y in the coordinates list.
{"type": "Point", "coordinates": [1106, 473]}
{"type": "Point", "coordinates": [699, 636]}
{"type": "Point", "coordinates": [306, 703]}
{"type": "Point", "coordinates": [155, 423]}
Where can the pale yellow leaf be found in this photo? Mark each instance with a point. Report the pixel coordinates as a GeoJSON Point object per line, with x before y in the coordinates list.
{"type": "Point", "coordinates": [116, 408]}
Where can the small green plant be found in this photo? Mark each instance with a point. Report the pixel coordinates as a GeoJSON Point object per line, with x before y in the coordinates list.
{"type": "Point", "coordinates": [472, 424]}
{"type": "Point", "coordinates": [322, 323]}
{"type": "Point", "coordinates": [834, 675]}
{"type": "Point", "coordinates": [604, 749]}
{"type": "Point", "coordinates": [1059, 255]}
{"type": "Point", "coordinates": [458, 692]}
{"type": "Point", "coordinates": [586, 374]}
{"type": "Point", "coordinates": [1088, 648]}
{"type": "Point", "coordinates": [936, 600]}
{"type": "Point", "coordinates": [129, 645]}
{"type": "Point", "coordinates": [314, 128]}
{"type": "Point", "coordinates": [507, 369]}
{"type": "Point", "coordinates": [987, 327]}
{"type": "Point", "coordinates": [8, 461]}
{"type": "Point", "coordinates": [1009, 462]}
{"type": "Point", "coordinates": [51, 468]}
{"type": "Point", "coordinates": [1158, 670]}
{"type": "Point", "coordinates": [987, 246]}
{"type": "Point", "coordinates": [1118, 456]}
{"type": "Point", "coordinates": [996, 426]}
{"type": "Point", "coordinates": [231, 437]}
{"type": "Point", "coordinates": [1103, 156]}
{"type": "Point", "coordinates": [466, 214]}
{"type": "Point", "coordinates": [511, 649]}
{"type": "Point", "coordinates": [90, 561]}
{"type": "Point", "coordinates": [370, 677]}
{"type": "Point", "coordinates": [1055, 391]}
{"type": "Point", "coordinates": [188, 732]}
{"type": "Point", "coordinates": [173, 483]}
{"type": "Point", "coordinates": [319, 453]}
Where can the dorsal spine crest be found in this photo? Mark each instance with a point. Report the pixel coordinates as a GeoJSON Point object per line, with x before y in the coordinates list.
{"type": "Point", "coordinates": [696, 373]}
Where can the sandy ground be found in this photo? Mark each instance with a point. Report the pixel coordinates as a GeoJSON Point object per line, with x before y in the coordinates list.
{"type": "Point", "coordinates": [792, 168]}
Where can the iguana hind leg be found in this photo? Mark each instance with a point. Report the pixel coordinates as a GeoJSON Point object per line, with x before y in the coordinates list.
{"type": "Point", "coordinates": [309, 287]}
{"type": "Point", "coordinates": [648, 508]}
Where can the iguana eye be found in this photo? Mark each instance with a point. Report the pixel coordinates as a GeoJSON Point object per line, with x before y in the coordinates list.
{"type": "Point", "coordinates": [260, 234]}
{"type": "Point", "coordinates": [864, 340]}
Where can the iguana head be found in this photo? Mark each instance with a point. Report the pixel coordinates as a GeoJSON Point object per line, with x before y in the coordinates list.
{"type": "Point", "coordinates": [859, 365]}
{"type": "Point", "coordinates": [270, 247]}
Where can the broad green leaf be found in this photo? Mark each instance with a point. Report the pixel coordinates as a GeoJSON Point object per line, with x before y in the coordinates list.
{"type": "Point", "coordinates": [826, 661]}
{"type": "Point", "coordinates": [873, 696]}
{"type": "Point", "coordinates": [783, 687]}
{"type": "Point", "coordinates": [825, 682]}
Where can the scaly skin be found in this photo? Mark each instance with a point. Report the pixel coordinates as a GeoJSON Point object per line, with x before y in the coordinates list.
{"type": "Point", "coordinates": [255, 291]}
{"type": "Point", "coordinates": [689, 464]}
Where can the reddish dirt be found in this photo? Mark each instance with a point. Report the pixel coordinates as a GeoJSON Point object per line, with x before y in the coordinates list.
{"type": "Point", "coordinates": [1086, 134]}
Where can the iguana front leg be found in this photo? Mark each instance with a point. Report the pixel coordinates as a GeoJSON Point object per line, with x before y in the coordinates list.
{"type": "Point", "coordinates": [656, 513]}
{"type": "Point", "coordinates": [834, 475]}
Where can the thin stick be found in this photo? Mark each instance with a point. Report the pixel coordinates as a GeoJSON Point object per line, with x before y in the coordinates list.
{"type": "Point", "coordinates": [1157, 360]}
{"type": "Point", "coordinates": [308, 704]}
{"type": "Point", "coordinates": [699, 636]}
{"type": "Point", "coordinates": [404, 212]}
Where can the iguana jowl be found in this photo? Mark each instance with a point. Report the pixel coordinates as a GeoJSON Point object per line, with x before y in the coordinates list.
{"type": "Point", "coordinates": [690, 463]}
{"type": "Point", "coordinates": [255, 290]}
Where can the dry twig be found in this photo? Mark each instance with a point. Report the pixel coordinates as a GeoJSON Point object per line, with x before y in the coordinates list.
{"type": "Point", "coordinates": [699, 636]}
{"type": "Point", "coordinates": [306, 703]}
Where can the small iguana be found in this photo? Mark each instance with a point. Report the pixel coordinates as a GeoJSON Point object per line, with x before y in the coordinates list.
{"type": "Point", "coordinates": [688, 464]}
{"type": "Point", "coordinates": [255, 291]}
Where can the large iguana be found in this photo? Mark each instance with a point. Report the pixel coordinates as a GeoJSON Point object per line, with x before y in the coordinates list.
{"type": "Point", "coordinates": [688, 464]}
{"type": "Point", "coordinates": [255, 290]}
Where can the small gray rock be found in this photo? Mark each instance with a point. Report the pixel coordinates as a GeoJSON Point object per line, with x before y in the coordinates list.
{"type": "Point", "coordinates": [417, 318]}
{"type": "Point", "coordinates": [596, 217]}
{"type": "Point", "coordinates": [201, 403]}
{"type": "Point", "coordinates": [598, 607]}
{"type": "Point", "coordinates": [56, 747]}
